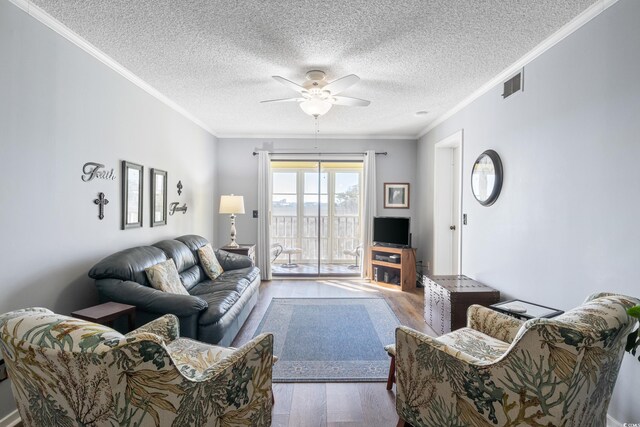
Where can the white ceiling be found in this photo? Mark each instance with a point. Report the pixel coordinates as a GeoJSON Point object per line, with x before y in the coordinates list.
{"type": "Point", "coordinates": [215, 57]}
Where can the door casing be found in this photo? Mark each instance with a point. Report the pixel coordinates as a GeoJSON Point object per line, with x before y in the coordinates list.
{"type": "Point", "coordinates": [447, 205]}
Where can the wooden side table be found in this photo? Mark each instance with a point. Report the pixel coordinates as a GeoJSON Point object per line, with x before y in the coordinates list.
{"type": "Point", "coordinates": [106, 313]}
{"type": "Point", "coordinates": [246, 249]}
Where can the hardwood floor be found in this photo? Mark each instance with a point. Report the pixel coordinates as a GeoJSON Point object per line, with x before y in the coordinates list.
{"type": "Point", "coordinates": [335, 404]}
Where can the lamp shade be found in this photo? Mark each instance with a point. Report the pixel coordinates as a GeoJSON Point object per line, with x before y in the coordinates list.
{"type": "Point", "coordinates": [315, 107]}
{"type": "Point", "coordinates": [230, 204]}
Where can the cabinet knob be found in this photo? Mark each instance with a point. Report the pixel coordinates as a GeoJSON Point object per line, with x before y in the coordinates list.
{"type": "Point", "coordinates": [452, 227]}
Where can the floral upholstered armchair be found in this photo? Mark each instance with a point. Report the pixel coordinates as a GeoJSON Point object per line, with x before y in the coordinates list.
{"type": "Point", "coordinates": [500, 371]}
{"type": "Point", "coordinates": [70, 372]}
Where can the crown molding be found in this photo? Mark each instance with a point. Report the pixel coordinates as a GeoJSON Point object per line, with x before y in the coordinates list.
{"type": "Point", "coordinates": [566, 30]}
{"type": "Point", "coordinates": [321, 137]}
{"type": "Point", "coordinates": [58, 27]}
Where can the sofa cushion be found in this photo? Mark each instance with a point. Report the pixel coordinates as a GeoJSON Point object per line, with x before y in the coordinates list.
{"type": "Point", "coordinates": [192, 276]}
{"type": "Point", "coordinates": [220, 301]}
{"type": "Point", "coordinates": [209, 262]}
{"type": "Point", "coordinates": [249, 273]}
{"type": "Point", "coordinates": [128, 264]}
{"type": "Point", "coordinates": [193, 242]}
{"type": "Point", "coordinates": [164, 277]}
{"type": "Point", "coordinates": [179, 252]}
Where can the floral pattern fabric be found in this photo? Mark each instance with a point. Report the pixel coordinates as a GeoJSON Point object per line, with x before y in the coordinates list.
{"type": "Point", "coordinates": [558, 371]}
{"type": "Point", "coordinates": [164, 277]}
{"type": "Point", "coordinates": [69, 372]}
{"type": "Point", "coordinates": [210, 262]}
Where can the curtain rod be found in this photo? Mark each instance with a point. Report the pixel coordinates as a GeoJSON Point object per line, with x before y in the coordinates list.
{"type": "Point", "coordinates": [383, 153]}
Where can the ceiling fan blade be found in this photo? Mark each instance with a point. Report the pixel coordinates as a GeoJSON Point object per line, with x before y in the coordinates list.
{"type": "Point", "coordinates": [289, 84]}
{"type": "Point", "coordinates": [351, 102]}
{"type": "Point", "coordinates": [342, 83]}
{"type": "Point", "coordinates": [283, 100]}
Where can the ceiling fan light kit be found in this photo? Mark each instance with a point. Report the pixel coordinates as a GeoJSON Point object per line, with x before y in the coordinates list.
{"type": "Point", "coordinates": [318, 95]}
{"type": "Point", "coordinates": [315, 107]}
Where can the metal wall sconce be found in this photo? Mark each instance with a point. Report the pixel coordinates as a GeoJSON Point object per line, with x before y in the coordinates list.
{"type": "Point", "coordinates": [173, 208]}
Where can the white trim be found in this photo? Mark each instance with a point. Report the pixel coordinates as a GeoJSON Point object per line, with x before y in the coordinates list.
{"type": "Point", "coordinates": [455, 140]}
{"type": "Point", "coordinates": [612, 422]}
{"type": "Point", "coordinates": [11, 420]}
{"type": "Point", "coordinates": [408, 138]}
{"type": "Point", "coordinates": [46, 19]}
{"type": "Point", "coordinates": [566, 30]}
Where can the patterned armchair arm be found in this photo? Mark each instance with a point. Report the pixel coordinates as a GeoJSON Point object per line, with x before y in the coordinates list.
{"type": "Point", "coordinates": [243, 378]}
{"type": "Point", "coordinates": [490, 322]}
{"type": "Point", "coordinates": [424, 369]}
{"type": "Point", "coordinates": [166, 327]}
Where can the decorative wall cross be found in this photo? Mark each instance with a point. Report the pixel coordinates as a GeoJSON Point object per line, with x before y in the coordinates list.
{"type": "Point", "coordinates": [101, 201]}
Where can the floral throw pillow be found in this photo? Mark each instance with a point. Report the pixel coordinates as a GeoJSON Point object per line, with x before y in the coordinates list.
{"type": "Point", "coordinates": [209, 262]}
{"type": "Point", "coordinates": [164, 277]}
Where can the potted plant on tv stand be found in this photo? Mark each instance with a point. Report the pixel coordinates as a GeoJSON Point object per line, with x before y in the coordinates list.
{"type": "Point", "coordinates": [633, 340]}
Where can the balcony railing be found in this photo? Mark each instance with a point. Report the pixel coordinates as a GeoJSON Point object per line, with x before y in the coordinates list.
{"type": "Point", "coordinates": [344, 234]}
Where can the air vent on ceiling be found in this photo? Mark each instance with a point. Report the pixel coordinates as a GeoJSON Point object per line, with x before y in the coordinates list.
{"type": "Point", "coordinates": [513, 85]}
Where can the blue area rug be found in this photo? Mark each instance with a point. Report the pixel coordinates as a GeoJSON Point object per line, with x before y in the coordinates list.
{"type": "Point", "coordinates": [330, 339]}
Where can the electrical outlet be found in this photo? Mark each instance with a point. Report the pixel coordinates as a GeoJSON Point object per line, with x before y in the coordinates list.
{"type": "Point", "coordinates": [3, 370]}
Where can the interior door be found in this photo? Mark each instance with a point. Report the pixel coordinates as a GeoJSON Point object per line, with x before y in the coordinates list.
{"type": "Point", "coordinates": [447, 208]}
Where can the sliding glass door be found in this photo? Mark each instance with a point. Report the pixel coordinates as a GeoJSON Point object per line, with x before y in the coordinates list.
{"type": "Point", "coordinates": [315, 220]}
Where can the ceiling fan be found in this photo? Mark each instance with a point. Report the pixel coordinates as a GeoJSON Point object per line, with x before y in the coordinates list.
{"type": "Point", "coordinates": [318, 95]}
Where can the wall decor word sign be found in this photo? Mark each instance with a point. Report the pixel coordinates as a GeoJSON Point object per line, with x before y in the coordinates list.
{"type": "Point", "coordinates": [92, 170]}
{"type": "Point", "coordinates": [175, 208]}
{"type": "Point", "coordinates": [101, 201]}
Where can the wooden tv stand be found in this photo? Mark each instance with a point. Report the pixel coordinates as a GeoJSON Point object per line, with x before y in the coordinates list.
{"type": "Point", "coordinates": [402, 274]}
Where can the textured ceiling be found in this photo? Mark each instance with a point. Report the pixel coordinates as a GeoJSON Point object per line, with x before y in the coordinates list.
{"type": "Point", "coordinates": [215, 57]}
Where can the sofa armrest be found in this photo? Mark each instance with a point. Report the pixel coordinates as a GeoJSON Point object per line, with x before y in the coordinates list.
{"type": "Point", "coordinates": [149, 299]}
{"type": "Point", "coordinates": [166, 327]}
{"type": "Point", "coordinates": [231, 261]}
{"type": "Point", "coordinates": [490, 322]}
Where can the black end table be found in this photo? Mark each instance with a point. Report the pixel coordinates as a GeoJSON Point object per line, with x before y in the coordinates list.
{"type": "Point", "coordinates": [525, 310]}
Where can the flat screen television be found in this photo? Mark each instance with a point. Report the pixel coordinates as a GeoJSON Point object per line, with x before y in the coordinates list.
{"type": "Point", "coordinates": [391, 231]}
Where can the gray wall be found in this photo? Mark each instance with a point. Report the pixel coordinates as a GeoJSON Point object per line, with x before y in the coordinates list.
{"type": "Point", "coordinates": [239, 170]}
{"type": "Point", "coordinates": [60, 108]}
{"type": "Point", "coordinates": [565, 224]}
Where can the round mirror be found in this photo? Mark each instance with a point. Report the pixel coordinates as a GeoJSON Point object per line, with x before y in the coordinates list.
{"type": "Point", "coordinates": [486, 178]}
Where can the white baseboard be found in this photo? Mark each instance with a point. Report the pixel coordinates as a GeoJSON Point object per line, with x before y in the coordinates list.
{"type": "Point", "coordinates": [11, 420]}
{"type": "Point", "coordinates": [612, 422]}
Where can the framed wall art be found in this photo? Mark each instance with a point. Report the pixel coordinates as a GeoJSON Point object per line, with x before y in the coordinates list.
{"type": "Point", "coordinates": [158, 197]}
{"type": "Point", "coordinates": [396, 195]}
{"type": "Point", "coordinates": [132, 180]}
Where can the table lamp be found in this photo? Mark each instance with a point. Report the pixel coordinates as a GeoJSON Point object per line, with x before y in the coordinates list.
{"type": "Point", "coordinates": [230, 204]}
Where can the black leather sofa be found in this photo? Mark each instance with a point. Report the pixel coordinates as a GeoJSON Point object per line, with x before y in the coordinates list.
{"type": "Point", "coordinates": [213, 312]}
